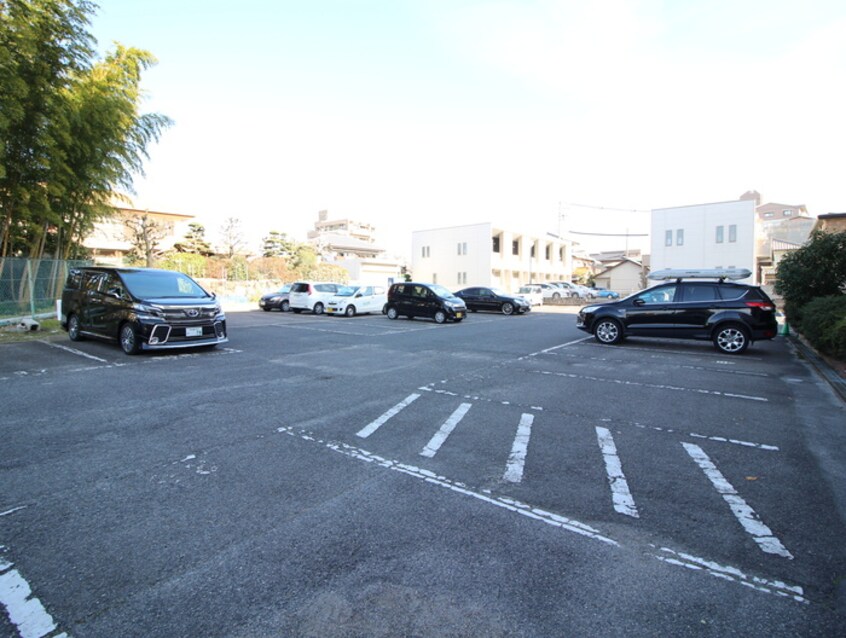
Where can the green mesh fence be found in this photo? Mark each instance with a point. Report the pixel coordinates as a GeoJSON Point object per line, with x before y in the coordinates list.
{"type": "Point", "coordinates": [30, 287]}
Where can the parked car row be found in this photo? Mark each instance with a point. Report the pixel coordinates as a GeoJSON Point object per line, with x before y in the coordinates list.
{"type": "Point", "coordinates": [150, 309]}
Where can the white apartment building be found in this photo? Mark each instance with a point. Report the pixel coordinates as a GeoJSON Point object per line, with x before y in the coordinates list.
{"type": "Point", "coordinates": [720, 235]}
{"type": "Point", "coordinates": [489, 255]}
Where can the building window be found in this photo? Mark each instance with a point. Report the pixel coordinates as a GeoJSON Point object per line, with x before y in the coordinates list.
{"type": "Point", "coordinates": [719, 234]}
{"type": "Point", "coordinates": [680, 237]}
{"type": "Point", "coordinates": [427, 251]}
{"type": "Point", "coordinates": [515, 247]}
{"type": "Point", "coordinates": [462, 248]}
{"type": "Point", "coordinates": [668, 238]}
{"type": "Point", "coordinates": [787, 213]}
{"type": "Point", "coordinates": [532, 252]}
{"type": "Point", "coordinates": [462, 278]}
{"type": "Point", "coordinates": [548, 256]}
{"type": "Point", "coordinates": [496, 244]}
{"type": "Point", "coordinates": [434, 277]}
{"type": "Point", "coordinates": [733, 233]}
{"type": "Point", "coordinates": [768, 214]}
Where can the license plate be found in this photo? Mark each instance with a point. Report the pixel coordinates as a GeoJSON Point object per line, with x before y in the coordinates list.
{"type": "Point", "coordinates": [193, 332]}
{"type": "Point", "coordinates": [459, 315]}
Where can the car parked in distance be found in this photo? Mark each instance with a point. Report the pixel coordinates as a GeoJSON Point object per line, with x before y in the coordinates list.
{"type": "Point", "coordinates": [532, 293]}
{"type": "Point", "coordinates": [691, 304]}
{"type": "Point", "coordinates": [141, 309]}
{"type": "Point", "coordinates": [355, 300]}
{"type": "Point", "coordinates": [413, 299]}
{"type": "Point", "coordinates": [494, 300]}
{"type": "Point", "coordinates": [604, 293]}
{"type": "Point", "coordinates": [278, 299]}
{"type": "Point", "coordinates": [311, 296]}
{"type": "Point", "coordinates": [574, 290]}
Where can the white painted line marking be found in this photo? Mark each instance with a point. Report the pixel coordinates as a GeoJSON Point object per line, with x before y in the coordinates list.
{"type": "Point", "coordinates": [441, 435]}
{"type": "Point", "coordinates": [524, 509]}
{"type": "Point", "coordinates": [734, 574]}
{"type": "Point", "coordinates": [431, 478]}
{"type": "Point", "coordinates": [652, 385]}
{"type": "Point", "coordinates": [622, 497]}
{"type": "Point", "coordinates": [741, 510]}
{"type": "Point", "coordinates": [399, 407]}
{"type": "Point", "coordinates": [517, 458]}
{"type": "Point", "coordinates": [547, 350]}
{"type": "Point", "coordinates": [13, 510]}
{"type": "Point", "coordinates": [25, 612]}
{"type": "Point", "coordinates": [73, 351]}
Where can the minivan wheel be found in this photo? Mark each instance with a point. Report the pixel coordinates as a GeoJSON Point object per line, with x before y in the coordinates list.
{"type": "Point", "coordinates": [731, 339]}
{"type": "Point", "coordinates": [440, 316]}
{"type": "Point", "coordinates": [608, 331]}
{"type": "Point", "coordinates": [507, 308]}
{"type": "Point", "coordinates": [350, 311]}
{"type": "Point", "coordinates": [318, 308]}
{"type": "Point", "coordinates": [129, 339]}
{"type": "Point", "coordinates": [73, 328]}
{"type": "Point", "coordinates": [392, 312]}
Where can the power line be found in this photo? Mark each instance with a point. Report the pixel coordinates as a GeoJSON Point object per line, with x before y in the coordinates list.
{"type": "Point", "coordinates": [621, 210]}
{"type": "Point", "coordinates": [576, 232]}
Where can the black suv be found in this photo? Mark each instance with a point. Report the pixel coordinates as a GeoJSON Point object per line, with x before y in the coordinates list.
{"type": "Point", "coordinates": [142, 309]}
{"type": "Point", "coordinates": [424, 300]}
{"type": "Point", "coordinates": [697, 304]}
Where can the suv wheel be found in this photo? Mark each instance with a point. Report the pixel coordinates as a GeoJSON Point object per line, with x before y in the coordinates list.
{"type": "Point", "coordinates": [129, 339]}
{"type": "Point", "coordinates": [608, 331]}
{"type": "Point", "coordinates": [392, 312]}
{"type": "Point", "coordinates": [73, 328]}
{"type": "Point", "coordinates": [440, 316]}
{"type": "Point", "coordinates": [731, 339]}
{"type": "Point", "coordinates": [507, 308]}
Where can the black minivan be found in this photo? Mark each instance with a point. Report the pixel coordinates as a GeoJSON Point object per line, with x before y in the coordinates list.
{"type": "Point", "coordinates": [141, 308]}
{"type": "Point", "coordinates": [424, 300]}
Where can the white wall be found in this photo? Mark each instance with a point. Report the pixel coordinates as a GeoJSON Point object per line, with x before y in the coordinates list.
{"type": "Point", "coordinates": [442, 262]}
{"type": "Point", "coordinates": [700, 248]}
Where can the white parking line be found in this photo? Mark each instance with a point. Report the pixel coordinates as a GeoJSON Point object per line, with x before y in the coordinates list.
{"type": "Point", "coordinates": [620, 494]}
{"type": "Point", "coordinates": [73, 351]}
{"type": "Point", "coordinates": [446, 429]}
{"type": "Point", "coordinates": [519, 449]}
{"type": "Point", "coordinates": [747, 517]}
{"type": "Point", "coordinates": [370, 428]}
{"type": "Point", "coordinates": [657, 386]}
{"type": "Point", "coordinates": [24, 610]}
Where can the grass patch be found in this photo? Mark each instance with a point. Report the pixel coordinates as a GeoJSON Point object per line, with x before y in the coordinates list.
{"type": "Point", "coordinates": [47, 328]}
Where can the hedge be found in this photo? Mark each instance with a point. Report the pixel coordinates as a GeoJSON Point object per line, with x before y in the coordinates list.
{"type": "Point", "coordinates": [824, 324]}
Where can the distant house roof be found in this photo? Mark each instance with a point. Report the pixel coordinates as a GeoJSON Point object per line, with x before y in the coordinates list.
{"type": "Point", "coordinates": [780, 244]}
{"type": "Point", "coordinates": [622, 262]}
{"type": "Point", "coordinates": [339, 241]}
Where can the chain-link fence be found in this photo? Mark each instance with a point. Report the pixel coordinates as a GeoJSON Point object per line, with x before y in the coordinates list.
{"type": "Point", "coordinates": [30, 287]}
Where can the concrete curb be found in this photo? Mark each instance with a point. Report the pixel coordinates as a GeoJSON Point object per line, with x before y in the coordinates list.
{"type": "Point", "coordinates": [829, 375]}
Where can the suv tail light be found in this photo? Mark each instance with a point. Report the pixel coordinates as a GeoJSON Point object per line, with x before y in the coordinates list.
{"type": "Point", "coordinates": [763, 305]}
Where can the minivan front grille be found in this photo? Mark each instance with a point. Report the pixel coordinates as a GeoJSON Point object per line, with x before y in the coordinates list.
{"type": "Point", "coordinates": [188, 313]}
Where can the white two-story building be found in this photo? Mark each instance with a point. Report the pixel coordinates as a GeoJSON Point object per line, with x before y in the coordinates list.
{"type": "Point", "coordinates": [719, 235]}
{"type": "Point", "coordinates": [489, 255]}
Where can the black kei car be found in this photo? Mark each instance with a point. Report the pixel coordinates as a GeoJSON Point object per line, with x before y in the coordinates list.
{"type": "Point", "coordinates": [141, 309]}
{"type": "Point", "coordinates": [494, 300]}
{"type": "Point", "coordinates": [413, 299]}
{"type": "Point", "coordinates": [690, 304]}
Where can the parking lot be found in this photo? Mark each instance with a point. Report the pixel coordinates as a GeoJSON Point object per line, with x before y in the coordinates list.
{"type": "Point", "coordinates": [360, 476]}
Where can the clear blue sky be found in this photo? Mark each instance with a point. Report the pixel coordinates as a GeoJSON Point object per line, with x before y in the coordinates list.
{"type": "Point", "coordinates": [419, 114]}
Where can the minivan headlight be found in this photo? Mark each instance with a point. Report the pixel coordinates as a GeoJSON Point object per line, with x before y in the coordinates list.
{"type": "Point", "coordinates": [147, 309]}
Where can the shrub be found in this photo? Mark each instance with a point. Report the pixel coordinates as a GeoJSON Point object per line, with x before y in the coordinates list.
{"type": "Point", "coordinates": [824, 324]}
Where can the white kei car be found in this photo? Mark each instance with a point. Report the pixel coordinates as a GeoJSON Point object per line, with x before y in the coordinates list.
{"type": "Point", "coordinates": [356, 300]}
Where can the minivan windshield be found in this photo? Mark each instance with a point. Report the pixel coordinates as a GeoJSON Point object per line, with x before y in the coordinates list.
{"type": "Point", "coordinates": [151, 284]}
{"type": "Point", "coordinates": [441, 291]}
